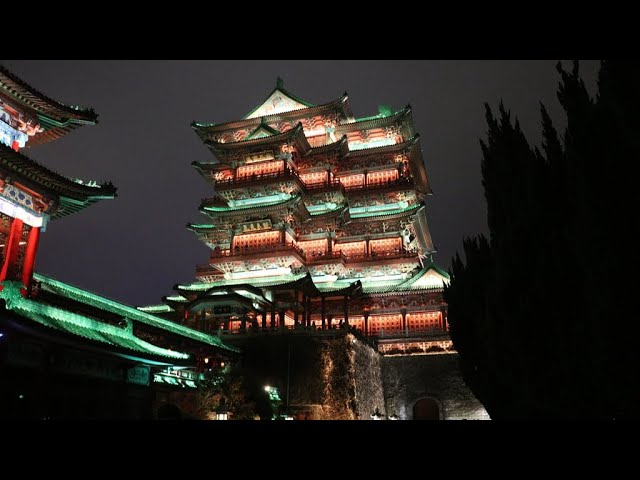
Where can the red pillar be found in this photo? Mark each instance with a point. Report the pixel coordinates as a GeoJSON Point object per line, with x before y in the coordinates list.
{"type": "Point", "coordinates": [30, 257]}
{"type": "Point", "coordinates": [11, 249]}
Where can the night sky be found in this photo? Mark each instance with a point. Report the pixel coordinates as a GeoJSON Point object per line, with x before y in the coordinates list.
{"type": "Point", "coordinates": [136, 247]}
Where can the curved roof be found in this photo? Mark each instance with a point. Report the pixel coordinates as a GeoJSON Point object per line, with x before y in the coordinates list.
{"type": "Point", "coordinates": [299, 109]}
{"type": "Point", "coordinates": [98, 301]}
{"type": "Point", "coordinates": [80, 325]}
{"type": "Point", "coordinates": [375, 121]}
{"type": "Point", "coordinates": [279, 100]}
{"type": "Point", "coordinates": [74, 195]}
{"type": "Point", "coordinates": [56, 118]}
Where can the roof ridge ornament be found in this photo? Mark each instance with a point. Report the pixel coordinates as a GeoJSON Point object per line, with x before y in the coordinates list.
{"type": "Point", "coordinates": [279, 83]}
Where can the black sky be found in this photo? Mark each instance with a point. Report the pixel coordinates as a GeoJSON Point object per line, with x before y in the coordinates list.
{"type": "Point", "coordinates": [135, 248]}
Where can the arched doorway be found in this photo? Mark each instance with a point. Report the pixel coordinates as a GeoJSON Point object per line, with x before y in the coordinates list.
{"type": "Point", "coordinates": [426, 409]}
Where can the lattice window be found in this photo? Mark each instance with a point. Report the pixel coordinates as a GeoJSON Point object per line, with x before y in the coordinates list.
{"type": "Point", "coordinates": [314, 177]}
{"type": "Point", "coordinates": [423, 320]}
{"type": "Point", "coordinates": [314, 247]}
{"type": "Point", "coordinates": [352, 180]}
{"type": "Point", "coordinates": [385, 246]}
{"type": "Point", "coordinates": [352, 249]}
{"type": "Point", "coordinates": [390, 323]}
{"type": "Point", "coordinates": [254, 240]}
{"type": "Point", "coordinates": [382, 176]}
{"type": "Point", "coordinates": [261, 168]}
{"type": "Point", "coordinates": [357, 322]}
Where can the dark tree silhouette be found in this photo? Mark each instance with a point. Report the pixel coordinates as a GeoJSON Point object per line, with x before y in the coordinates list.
{"type": "Point", "coordinates": [540, 311]}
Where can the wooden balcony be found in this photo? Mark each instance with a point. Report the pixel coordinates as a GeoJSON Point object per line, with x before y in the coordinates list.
{"type": "Point", "coordinates": [319, 187]}
{"type": "Point", "coordinates": [399, 184]}
{"type": "Point", "coordinates": [250, 253]}
{"type": "Point", "coordinates": [321, 258]}
{"type": "Point", "coordinates": [261, 179]}
{"type": "Point", "coordinates": [380, 256]}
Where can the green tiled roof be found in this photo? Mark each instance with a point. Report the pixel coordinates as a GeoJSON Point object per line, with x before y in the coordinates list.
{"type": "Point", "coordinates": [415, 206]}
{"type": "Point", "coordinates": [76, 324]}
{"type": "Point", "coordinates": [160, 308]}
{"type": "Point", "coordinates": [89, 298]}
{"type": "Point", "coordinates": [262, 282]}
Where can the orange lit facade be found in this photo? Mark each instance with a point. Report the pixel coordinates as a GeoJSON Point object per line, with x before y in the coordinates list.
{"type": "Point", "coordinates": [317, 220]}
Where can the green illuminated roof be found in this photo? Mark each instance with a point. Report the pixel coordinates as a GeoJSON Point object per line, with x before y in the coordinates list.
{"type": "Point", "coordinates": [177, 298]}
{"type": "Point", "coordinates": [415, 206]}
{"type": "Point", "coordinates": [256, 282]}
{"type": "Point", "coordinates": [412, 283]}
{"type": "Point", "coordinates": [83, 296]}
{"type": "Point", "coordinates": [76, 324]}
{"type": "Point", "coordinates": [227, 209]}
{"type": "Point", "coordinates": [384, 111]}
{"type": "Point", "coordinates": [262, 130]}
{"type": "Point", "coordinates": [161, 308]}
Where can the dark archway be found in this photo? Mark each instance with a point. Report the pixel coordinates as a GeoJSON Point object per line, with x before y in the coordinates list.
{"type": "Point", "coordinates": [426, 409]}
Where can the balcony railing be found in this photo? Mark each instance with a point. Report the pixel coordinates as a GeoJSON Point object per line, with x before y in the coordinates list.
{"type": "Point", "coordinates": [236, 182]}
{"type": "Point", "coordinates": [371, 185]}
{"type": "Point", "coordinates": [324, 186]}
{"type": "Point", "coordinates": [241, 251]}
{"type": "Point", "coordinates": [386, 255]}
{"type": "Point", "coordinates": [321, 257]}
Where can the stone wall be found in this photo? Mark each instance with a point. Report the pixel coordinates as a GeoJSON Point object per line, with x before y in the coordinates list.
{"type": "Point", "coordinates": [407, 379]}
{"type": "Point", "coordinates": [369, 392]}
{"type": "Point", "coordinates": [341, 378]}
{"type": "Point", "coordinates": [324, 378]}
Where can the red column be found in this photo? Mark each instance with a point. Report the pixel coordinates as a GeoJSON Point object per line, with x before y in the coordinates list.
{"type": "Point", "coordinates": [11, 249]}
{"type": "Point", "coordinates": [30, 257]}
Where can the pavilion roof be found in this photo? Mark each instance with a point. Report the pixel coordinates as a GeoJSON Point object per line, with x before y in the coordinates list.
{"type": "Point", "coordinates": [262, 130]}
{"type": "Point", "coordinates": [295, 134]}
{"type": "Point", "coordinates": [288, 281]}
{"type": "Point", "coordinates": [56, 118]}
{"type": "Point", "coordinates": [74, 194]}
{"type": "Point", "coordinates": [303, 109]}
{"type": "Point", "coordinates": [69, 322]}
{"type": "Point", "coordinates": [83, 296]}
{"type": "Point", "coordinates": [342, 145]}
{"type": "Point", "coordinates": [295, 102]}
{"type": "Point", "coordinates": [382, 119]}
{"type": "Point", "coordinates": [386, 215]}
{"type": "Point", "coordinates": [411, 284]}
{"type": "Point", "coordinates": [294, 202]}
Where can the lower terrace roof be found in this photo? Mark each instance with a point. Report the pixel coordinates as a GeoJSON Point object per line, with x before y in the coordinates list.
{"type": "Point", "coordinates": [79, 325]}
{"type": "Point", "coordinates": [334, 288]}
{"type": "Point", "coordinates": [103, 303]}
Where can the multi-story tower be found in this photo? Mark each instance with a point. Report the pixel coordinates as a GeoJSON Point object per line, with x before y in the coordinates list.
{"type": "Point", "coordinates": [317, 219]}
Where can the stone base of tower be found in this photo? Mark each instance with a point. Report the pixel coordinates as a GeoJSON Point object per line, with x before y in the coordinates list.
{"type": "Point", "coordinates": [428, 387]}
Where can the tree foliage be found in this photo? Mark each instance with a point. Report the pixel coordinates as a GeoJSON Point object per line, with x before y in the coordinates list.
{"type": "Point", "coordinates": [233, 391]}
{"type": "Point", "coordinates": [539, 312]}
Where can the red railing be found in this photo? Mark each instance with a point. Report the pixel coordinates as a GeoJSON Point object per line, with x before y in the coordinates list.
{"type": "Point", "coordinates": [404, 181]}
{"type": "Point", "coordinates": [324, 186]}
{"type": "Point", "coordinates": [287, 174]}
{"type": "Point", "coordinates": [324, 256]}
{"type": "Point", "coordinates": [246, 250]}
{"type": "Point", "coordinates": [363, 257]}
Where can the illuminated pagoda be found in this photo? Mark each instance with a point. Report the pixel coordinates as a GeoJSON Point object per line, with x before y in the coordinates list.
{"type": "Point", "coordinates": [317, 220]}
{"type": "Point", "coordinates": [65, 351]}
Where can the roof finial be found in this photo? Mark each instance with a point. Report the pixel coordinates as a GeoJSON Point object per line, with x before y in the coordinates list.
{"type": "Point", "coordinates": [279, 83]}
